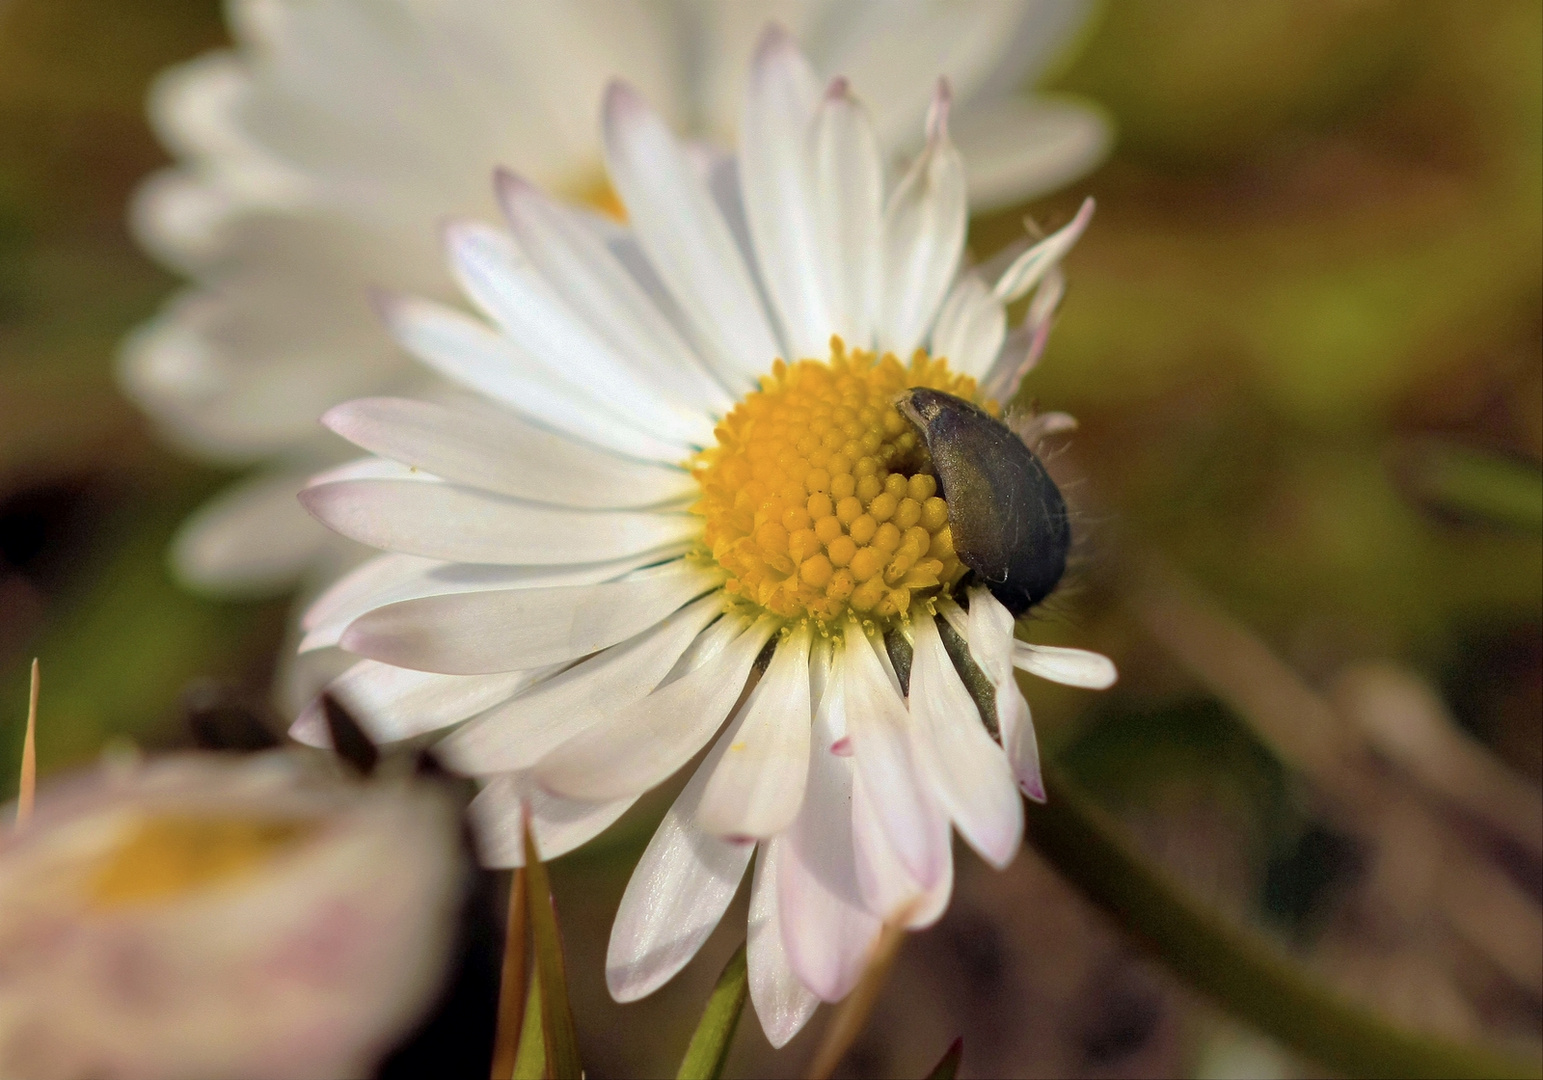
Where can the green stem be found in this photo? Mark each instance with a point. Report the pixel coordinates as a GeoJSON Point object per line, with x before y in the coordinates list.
{"type": "Point", "coordinates": [1239, 968]}
{"type": "Point", "coordinates": [709, 1047]}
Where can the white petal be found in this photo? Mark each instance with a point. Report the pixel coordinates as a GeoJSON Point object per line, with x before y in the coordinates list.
{"type": "Point", "coordinates": [849, 190]}
{"type": "Point", "coordinates": [519, 733]}
{"type": "Point", "coordinates": [969, 773]}
{"type": "Point", "coordinates": [888, 889]}
{"type": "Point", "coordinates": [390, 579]}
{"type": "Point", "coordinates": [776, 188]}
{"type": "Point", "coordinates": [462, 524]}
{"type": "Point", "coordinates": [971, 327]}
{"type": "Point", "coordinates": [989, 632]}
{"type": "Point", "coordinates": [253, 537]}
{"type": "Point", "coordinates": [557, 825]}
{"type": "Point", "coordinates": [395, 703]}
{"type": "Point", "coordinates": [501, 281]}
{"type": "Point", "coordinates": [1026, 343]}
{"type": "Point", "coordinates": [472, 354]}
{"type": "Point", "coordinates": [827, 932]}
{"type": "Point", "coordinates": [923, 237]}
{"type": "Point", "coordinates": [675, 897]}
{"type": "Point", "coordinates": [583, 269]}
{"type": "Point", "coordinates": [1027, 270]}
{"type": "Point", "coordinates": [883, 753]}
{"type": "Point", "coordinates": [758, 785]}
{"type": "Point", "coordinates": [1019, 148]}
{"type": "Point", "coordinates": [498, 452]}
{"type": "Point", "coordinates": [380, 574]}
{"type": "Point", "coordinates": [685, 236]}
{"type": "Point", "coordinates": [635, 748]}
{"type": "Point", "coordinates": [782, 1003]}
{"type": "Point", "coordinates": [519, 629]}
{"type": "Point", "coordinates": [1071, 667]}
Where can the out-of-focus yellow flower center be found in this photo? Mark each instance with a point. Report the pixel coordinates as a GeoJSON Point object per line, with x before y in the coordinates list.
{"type": "Point", "coordinates": [820, 497]}
{"type": "Point", "coordinates": [169, 855]}
{"type": "Point", "coordinates": [598, 194]}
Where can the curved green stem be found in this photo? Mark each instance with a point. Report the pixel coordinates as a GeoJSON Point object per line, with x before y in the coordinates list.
{"type": "Point", "coordinates": [1238, 968]}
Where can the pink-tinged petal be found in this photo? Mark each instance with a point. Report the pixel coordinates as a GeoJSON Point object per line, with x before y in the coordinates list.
{"type": "Point", "coordinates": [1031, 267]}
{"type": "Point", "coordinates": [463, 524]}
{"type": "Point", "coordinates": [989, 632]}
{"type": "Point", "coordinates": [924, 225]}
{"type": "Point", "coordinates": [519, 629]}
{"type": "Point", "coordinates": [777, 189]}
{"type": "Point", "coordinates": [756, 789]}
{"type": "Point", "coordinates": [686, 238]}
{"type": "Point", "coordinates": [969, 773]}
{"type": "Point", "coordinates": [1069, 667]}
{"type": "Point", "coordinates": [557, 825]}
{"type": "Point", "coordinates": [636, 748]}
{"type": "Point", "coordinates": [827, 932]}
{"type": "Point", "coordinates": [782, 1003]}
{"type": "Point", "coordinates": [519, 733]}
{"type": "Point", "coordinates": [676, 896]}
{"type": "Point", "coordinates": [884, 754]}
{"type": "Point", "coordinates": [888, 889]}
{"type": "Point", "coordinates": [499, 453]}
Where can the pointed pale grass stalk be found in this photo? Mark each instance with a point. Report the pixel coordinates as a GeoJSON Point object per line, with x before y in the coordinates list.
{"type": "Point", "coordinates": [26, 788]}
{"type": "Point", "coordinates": [852, 1014]}
{"type": "Point", "coordinates": [512, 987]}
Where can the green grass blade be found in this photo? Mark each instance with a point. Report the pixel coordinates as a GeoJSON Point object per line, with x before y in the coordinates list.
{"type": "Point", "coordinates": [709, 1047]}
{"type": "Point", "coordinates": [530, 1059]}
{"type": "Point", "coordinates": [1476, 484]}
{"type": "Point", "coordinates": [1237, 967]}
{"type": "Point", "coordinates": [557, 1031]}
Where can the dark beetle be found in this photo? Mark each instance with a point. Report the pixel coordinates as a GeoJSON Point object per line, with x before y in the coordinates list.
{"type": "Point", "coordinates": [1006, 515]}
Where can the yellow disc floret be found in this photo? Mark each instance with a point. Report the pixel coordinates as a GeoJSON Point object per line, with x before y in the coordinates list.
{"type": "Point", "coordinates": [820, 497]}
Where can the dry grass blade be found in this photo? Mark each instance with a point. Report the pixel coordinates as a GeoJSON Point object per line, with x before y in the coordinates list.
{"type": "Point", "coordinates": [852, 1014]}
{"type": "Point", "coordinates": [511, 991]}
{"type": "Point", "coordinates": [26, 789]}
{"type": "Point", "coordinates": [557, 1030]}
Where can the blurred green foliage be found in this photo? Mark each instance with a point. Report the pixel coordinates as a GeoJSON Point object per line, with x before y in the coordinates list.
{"type": "Point", "coordinates": [88, 499]}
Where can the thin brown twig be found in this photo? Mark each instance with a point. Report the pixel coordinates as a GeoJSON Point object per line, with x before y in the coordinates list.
{"type": "Point", "coordinates": [26, 790]}
{"type": "Point", "coordinates": [512, 990]}
{"type": "Point", "coordinates": [852, 1014]}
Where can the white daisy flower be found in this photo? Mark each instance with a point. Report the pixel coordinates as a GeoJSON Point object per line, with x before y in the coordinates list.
{"type": "Point", "coordinates": [316, 158]}
{"type": "Point", "coordinates": [211, 915]}
{"type": "Point", "coordinates": [647, 512]}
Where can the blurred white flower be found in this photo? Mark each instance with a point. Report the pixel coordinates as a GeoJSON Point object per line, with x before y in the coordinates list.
{"type": "Point", "coordinates": [316, 159]}
{"type": "Point", "coordinates": [208, 916]}
{"type": "Point", "coordinates": [591, 562]}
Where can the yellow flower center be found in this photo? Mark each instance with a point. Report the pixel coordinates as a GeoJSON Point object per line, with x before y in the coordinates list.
{"type": "Point", "coordinates": [820, 497]}
{"type": "Point", "coordinates": [168, 856]}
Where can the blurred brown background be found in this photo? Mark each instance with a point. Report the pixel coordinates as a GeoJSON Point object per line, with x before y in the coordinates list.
{"type": "Point", "coordinates": [1303, 341]}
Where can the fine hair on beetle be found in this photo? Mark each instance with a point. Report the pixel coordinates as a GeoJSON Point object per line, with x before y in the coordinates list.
{"type": "Point", "coordinates": [1010, 522]}
{"type": "Point", "coordinates": [1051, 447]}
